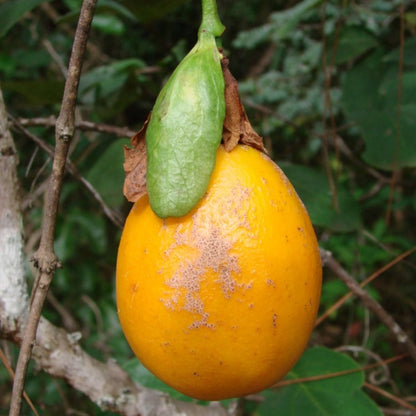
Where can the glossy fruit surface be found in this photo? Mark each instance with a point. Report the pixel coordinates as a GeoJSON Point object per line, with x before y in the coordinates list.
{"type": "Point", "coordinates": [221, 302]}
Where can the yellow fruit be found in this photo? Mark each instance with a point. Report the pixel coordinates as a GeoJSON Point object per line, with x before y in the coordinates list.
{"type": "Point", "coordinates": [220, 303]}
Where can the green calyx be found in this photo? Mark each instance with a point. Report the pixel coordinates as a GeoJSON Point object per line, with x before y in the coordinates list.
{"type": "Point", "coordinates": [186, 124]}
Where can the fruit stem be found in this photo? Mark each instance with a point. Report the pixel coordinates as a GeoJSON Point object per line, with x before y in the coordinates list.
{"type": "Point", "coordinates": [211, 22]}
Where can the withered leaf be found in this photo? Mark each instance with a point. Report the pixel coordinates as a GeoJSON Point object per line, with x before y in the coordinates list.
{"type": "Point", "coordinates": [135, 165]}
{"type": "Point", "coordinates": [237, 127]}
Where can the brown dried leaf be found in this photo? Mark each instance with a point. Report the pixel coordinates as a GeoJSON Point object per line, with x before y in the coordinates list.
{"type": "Point", "coordinates": [135, 165]}
{"type": "Point", "coordinates": [237, 127]}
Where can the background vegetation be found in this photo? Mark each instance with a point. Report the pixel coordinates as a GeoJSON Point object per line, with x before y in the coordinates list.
{"type": "Point", "coordinates": [331, 87]}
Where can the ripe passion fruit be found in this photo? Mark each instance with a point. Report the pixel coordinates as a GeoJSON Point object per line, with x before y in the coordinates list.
{"type": "Point", "coordinates": [221, 303]}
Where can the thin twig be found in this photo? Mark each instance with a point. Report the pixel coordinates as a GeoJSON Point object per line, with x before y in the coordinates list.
{"type": "Point", "coordinates": [68, 321]}
{"type": "Point", "coordinates": [386, 248]}
{"type": "Point", "coordinates": [390, 396]}
{"type": "Point", "coordinates": [319, 377]}
{"type": "Point", "coordinates": [342, 300]}
{"type": "Point", "coordinates": [56, 57]}
{"type": "Point", "coordinates": [338, 143]}
{"type": "Point", "coordinates": [73, 170]}
{"type": "Point", "coordinates": [45, 259]}
{"type": "Point", "coordinates": [9, 369]}
{"type": "Point", "coordinates": [81, 125]}
{"type": "Point", "coordinates": [373, 306]}
{"type": "Point", "coordinates": [95, 54]}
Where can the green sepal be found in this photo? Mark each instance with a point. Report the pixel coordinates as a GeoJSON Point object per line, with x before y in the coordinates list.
{"type": "Point", "coordinates": [185, 130]}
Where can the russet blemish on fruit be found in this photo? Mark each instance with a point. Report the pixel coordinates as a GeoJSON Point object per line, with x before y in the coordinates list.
{"type": "Point", "coordinates": [214, 253]}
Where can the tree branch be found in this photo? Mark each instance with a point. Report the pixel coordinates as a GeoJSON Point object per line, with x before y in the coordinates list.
{"type": "Point", "coordinates": [45, 259]}
{"type": "Point", "coordinates": [13, 306]}
{"type": "Point", "coordinates": [372, 305]}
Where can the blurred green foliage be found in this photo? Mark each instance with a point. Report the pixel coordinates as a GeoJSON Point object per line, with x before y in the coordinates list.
{"type": "Point", "coordinates": [320, 81]}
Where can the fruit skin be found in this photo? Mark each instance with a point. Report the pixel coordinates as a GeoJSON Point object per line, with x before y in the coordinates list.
{"type": "Point", "coordinates": [221, 303]}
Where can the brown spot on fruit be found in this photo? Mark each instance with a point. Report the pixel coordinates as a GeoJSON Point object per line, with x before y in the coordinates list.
{"type": "Point", "coordinates": [270, 282]}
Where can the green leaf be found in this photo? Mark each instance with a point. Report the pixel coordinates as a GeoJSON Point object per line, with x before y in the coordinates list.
{"type": "Point", "coordinates": [370, 99]}
{"type": "Point", "coordinates": [81, 228]}
{"type": "Point", "coordinates": [37, 91]}
{"type": "Point", "coordinates": [7, 64]}
{"type": "Point", "coordinates": [104, 8]}
{"type": "Point", "coordinates": [332, 290]}
{"type": "Point", "coordinates": [31, 59]}
{"type": "Point", "coordinates": [314, 190]}
{"type": "Point", "coordinates": [107, 175]}
{"type": "Point", "coordinates": [352, 42]}
{"type": "Point", "coordinates": [12, 11]}
{"type": "Point", "coordinates": [335, 396]}
{"type": "Point", "coordinates": [108, 24]}
{"type": "Point", "coordinates": [286, 21]}
{"type": "Point", "coordinates": [117, 7]}
{"type": "Point", "coordinates": [250, 39]}
{"type": "Point", "coordinates": [104, 82]}
{"type": "Point", "coordinates": [409, 54]}
{"type": "Point", "coordinates": [282, 25]}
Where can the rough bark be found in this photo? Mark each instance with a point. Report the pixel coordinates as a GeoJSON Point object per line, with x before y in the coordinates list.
{"type": "Point", "coordinates": [13, 306]}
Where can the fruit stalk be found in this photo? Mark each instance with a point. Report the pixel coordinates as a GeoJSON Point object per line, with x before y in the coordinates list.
{"type": "Point", "coordinates": [211, 22]}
